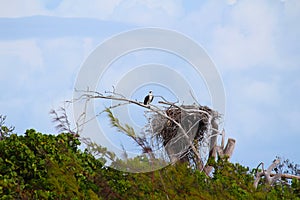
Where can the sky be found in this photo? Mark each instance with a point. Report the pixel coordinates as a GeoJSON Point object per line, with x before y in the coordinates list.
{"type": "Point", "coordinates": [254, 44]}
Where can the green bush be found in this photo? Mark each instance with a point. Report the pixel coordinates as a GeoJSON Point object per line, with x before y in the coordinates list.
{"type": "Point", "coordinates": [42, 166]}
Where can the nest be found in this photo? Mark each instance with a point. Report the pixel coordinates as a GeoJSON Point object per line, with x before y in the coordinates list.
{"type": "Point", "coordinates": [195, 120]}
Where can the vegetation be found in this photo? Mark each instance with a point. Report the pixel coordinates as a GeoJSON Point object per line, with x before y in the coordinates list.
{"type": "Point", "coordinates": [41, 166]}
{"type": "Point", "coordinates": [44, 166]}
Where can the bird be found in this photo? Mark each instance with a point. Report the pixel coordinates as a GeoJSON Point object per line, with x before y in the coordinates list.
{"type": "Point", "coordinates": [149, 98]}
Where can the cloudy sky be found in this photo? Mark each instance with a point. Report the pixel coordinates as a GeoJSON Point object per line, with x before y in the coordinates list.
{"type": "Point", "coordinates": [254, 44]}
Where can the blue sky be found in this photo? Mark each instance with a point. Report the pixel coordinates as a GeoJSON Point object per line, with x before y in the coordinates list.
{"type": "Point", "coordinates": [254, 44]}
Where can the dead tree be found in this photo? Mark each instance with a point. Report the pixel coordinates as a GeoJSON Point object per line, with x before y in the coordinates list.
{"type": "Point", "coordinates": [183, 131]}
{"type": "Point", "coordinates": [271, 178]}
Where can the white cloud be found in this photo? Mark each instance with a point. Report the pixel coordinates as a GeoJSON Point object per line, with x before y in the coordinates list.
{"type": "Point", "coordinates": [246, 38]}
{"type": "Point", "coordinates": [231, 2]}
{"type": "Point", "coordinates": [170, 7]}
{"type": "Point", "coordinates": [67, 8]}
{"type": "Point", "coordinates": [19, 8]}
{"type": "Point", "coordinates": [36, 74]}
{"type": "Point", "coordinates": [90, 9]}
{"type": "Point", "coordinates": [148, 12]}
{"type": "Point", "coordinates": [24, 51]}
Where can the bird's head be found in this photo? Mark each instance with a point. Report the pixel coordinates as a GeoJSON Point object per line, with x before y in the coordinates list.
{"type": "Point", "coordinates": [150, 92]}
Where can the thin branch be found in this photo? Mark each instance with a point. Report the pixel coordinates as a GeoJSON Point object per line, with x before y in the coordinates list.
{"type": "Point", "coordinates": [196, 101]}
{"type": "Point", "coordinates": [186, 110]}
{"type": "Point", "coordinates": [165, 99]}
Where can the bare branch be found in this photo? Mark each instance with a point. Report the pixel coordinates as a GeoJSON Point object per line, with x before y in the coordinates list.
{"type": "Point", "coordinates": [186, 110]}
{"type": "Point", "coordinates": [271, 178]}
{"type": "Point", "coordinates": [165, 99]}
{"type": "Point", "coordinates": [221, 151]}
{"type": "Point", "coordinates": [196, 101]}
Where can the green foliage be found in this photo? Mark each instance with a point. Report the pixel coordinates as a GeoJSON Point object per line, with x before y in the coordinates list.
{"type": "Point", "coordinates": [126, 129]}
{"type": "Point", "coordinates": [38, 166]}
{"type": "Point", "coordinates": [229, 181]}
{"type": "Point", "coordinates": [41, 166]}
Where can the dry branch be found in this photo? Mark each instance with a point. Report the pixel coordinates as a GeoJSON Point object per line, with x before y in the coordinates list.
{"type": "Point", "coordinates": [221, 151]}
{"type": "Point", "coordinates": [270, 177]}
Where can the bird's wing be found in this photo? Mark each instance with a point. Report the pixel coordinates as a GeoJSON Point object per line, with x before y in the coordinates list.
{"type": "Point", "coordinates": [146, 99]}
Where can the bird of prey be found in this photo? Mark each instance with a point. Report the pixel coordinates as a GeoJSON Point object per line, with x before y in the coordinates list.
{"type": "Point", "coordinates": [149, 98]}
